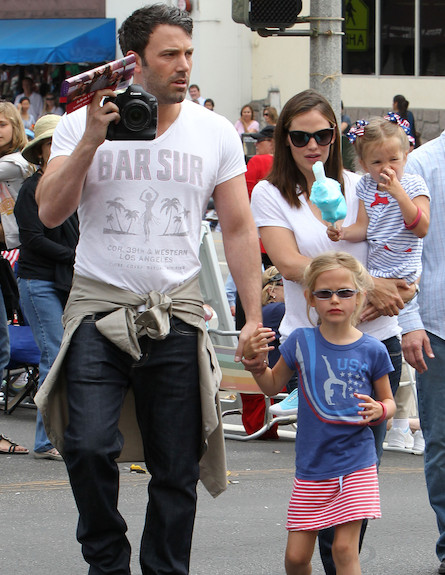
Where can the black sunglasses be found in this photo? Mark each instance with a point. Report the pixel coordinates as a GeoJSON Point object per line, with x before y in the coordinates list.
{"type": "Point", "coordinates": [265, 113]}
{"type": "Point", "coordinates": [300, 139]}
{"type": "Point", "coordinates": [343, 293]}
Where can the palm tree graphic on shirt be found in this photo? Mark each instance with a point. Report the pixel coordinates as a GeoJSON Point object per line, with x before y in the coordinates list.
{"type": "Point", "coordinates": [117, 215]}
{"type": "Point", "coordinates": [177, 216]}
{"type": "Point", "coordinates": [120, 219]}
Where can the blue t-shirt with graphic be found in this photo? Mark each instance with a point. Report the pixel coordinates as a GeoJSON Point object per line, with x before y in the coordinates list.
{"type": "Point", "coordinates": [330, 442]}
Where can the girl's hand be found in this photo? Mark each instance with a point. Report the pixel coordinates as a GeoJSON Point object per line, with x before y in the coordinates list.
{"type": "Point", "coordinates": [371, 409]}
{"type": "Point", "coordinates": [259, 342]}
{"type": "Point", "coordinates": [334, 234]}
{"type": "Point", "coordinates": [389, 182]}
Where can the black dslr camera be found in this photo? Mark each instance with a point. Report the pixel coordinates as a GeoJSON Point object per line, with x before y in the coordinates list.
{"type": "Point", "coordinates": [139, 115]}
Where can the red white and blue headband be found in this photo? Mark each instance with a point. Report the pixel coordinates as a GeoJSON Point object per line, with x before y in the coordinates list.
{"type": "Point", "coordinates": [359, 128]}
{"type": "Point", "coordinates": [392, 117]}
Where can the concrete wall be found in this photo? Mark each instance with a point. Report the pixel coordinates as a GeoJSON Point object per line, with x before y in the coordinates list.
{"type": "Point", "coordinates": [429, 123]}
{"type": "Point", "coordinates": [234, 66]}
{"type": "Point", "coordinates": [222, 61]}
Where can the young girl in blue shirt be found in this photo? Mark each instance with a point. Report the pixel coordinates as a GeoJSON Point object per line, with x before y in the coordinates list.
{"type": "Point", "coordinates": [344, 388]}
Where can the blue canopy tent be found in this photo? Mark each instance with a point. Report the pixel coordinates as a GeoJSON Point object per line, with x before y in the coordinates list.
{"type": "Point", "coordinates": [57, 41]}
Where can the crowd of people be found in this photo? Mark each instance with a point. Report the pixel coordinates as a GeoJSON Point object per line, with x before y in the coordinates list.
{"type": "Point", "coordinates": [338, 302]}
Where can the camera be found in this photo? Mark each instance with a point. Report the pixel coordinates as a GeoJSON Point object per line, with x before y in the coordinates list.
{"type": "Point", "coordinates": [139, 115]}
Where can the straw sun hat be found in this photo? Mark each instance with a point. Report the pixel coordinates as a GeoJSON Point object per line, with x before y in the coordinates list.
{"type": "Point", "coordinates": [43, 129]}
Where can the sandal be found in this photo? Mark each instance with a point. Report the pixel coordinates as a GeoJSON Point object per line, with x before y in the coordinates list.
{"type": "Point", "coordinates": [14, 448]}
{"type": "Point", "coordinates": [50, 454]}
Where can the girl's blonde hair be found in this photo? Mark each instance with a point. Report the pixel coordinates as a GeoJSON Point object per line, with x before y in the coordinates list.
{"type": "Point", "coordinates": [332, 261]}
{"type": "Point", "coordinates": [19, 139]}
{"type": "Point", "coordinates": [378, 130]}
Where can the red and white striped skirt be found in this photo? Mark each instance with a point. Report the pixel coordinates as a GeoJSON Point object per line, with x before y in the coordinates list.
{"type": "Point", "coordinates": [316, 505]}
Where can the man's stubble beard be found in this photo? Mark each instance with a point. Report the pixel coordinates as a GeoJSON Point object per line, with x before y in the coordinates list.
{"type": "Point", "coordinates": [159, 90]}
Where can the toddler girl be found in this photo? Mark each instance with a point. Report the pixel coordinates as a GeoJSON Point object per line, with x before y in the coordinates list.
{"type": "Point", "coordinates": [394, 207]}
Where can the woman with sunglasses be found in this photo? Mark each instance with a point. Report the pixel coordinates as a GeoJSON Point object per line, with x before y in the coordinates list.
{"type": "Point", "coordinates": [293, 231]}
{"type": "Point", "coordinates": [270, 116]}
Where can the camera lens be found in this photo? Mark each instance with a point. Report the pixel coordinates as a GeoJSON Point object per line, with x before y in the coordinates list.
{"type": "Point", "coordinates": [136, 115]}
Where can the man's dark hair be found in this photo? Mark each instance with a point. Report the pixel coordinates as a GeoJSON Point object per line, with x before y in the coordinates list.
{"type": "Point", "coordinates": [194, 86]}
{"type": "Point", "coordinates": [135, 31]}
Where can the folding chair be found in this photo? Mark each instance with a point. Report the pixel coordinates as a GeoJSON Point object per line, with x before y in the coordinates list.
{"type": "Point", "coordinates": [25, 358]}
{"type": "Point", "coordinates": [236, 379]}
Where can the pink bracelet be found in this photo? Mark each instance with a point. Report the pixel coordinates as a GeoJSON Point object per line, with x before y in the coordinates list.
{"type": "Point", "coordinates": [413, 224]}
{"type": "Point", "coordinates": [382, 417]}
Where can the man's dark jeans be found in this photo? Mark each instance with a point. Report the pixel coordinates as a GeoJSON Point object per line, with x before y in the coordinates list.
{"type": "Point", "coordinates": [167, 396]}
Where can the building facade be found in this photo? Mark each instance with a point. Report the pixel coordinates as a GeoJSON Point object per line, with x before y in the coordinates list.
{"type": "Point", "coordinates": [389, 47]}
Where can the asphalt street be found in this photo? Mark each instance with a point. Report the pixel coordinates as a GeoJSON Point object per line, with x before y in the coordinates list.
{"type": "Point", "coordinates": [240, 532]}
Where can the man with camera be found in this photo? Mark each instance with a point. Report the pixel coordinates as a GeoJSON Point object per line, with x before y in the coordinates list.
{"type": "Point", "coordinates": [135, 321]}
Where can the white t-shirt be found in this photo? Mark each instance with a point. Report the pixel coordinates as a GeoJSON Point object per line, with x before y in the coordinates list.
{"type": "Point", "coordinates": [143, 201]}
{"type": "Point", "coordinates": [271, 209]}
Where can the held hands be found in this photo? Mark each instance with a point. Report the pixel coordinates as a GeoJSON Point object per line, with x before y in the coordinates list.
{"type": "Point", "coordinates": [256, 350]}
{"type": "Point", "coordinates": [259, 342]}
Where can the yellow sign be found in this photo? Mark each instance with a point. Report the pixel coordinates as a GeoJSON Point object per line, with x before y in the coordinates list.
{"type": "Point", "coordinates": [357, 25]}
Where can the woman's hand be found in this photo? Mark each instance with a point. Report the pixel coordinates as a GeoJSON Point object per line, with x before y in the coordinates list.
{"type": "Point", "coordinates": [386, 298]}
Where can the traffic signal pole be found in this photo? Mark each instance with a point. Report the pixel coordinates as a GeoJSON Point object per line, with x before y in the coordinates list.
{"type": "Point", "coordinates": [326, 50]}
{"type": "Point", "coordinates": [325, 33]}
